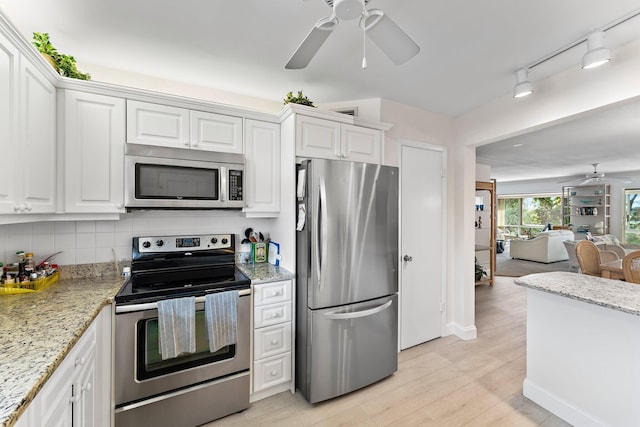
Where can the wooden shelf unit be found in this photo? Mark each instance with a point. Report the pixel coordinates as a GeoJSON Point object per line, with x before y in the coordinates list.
{"type": "Point", "coordinates": [587, 208]}
{"type": "Point", "coordinates": [486, 235]}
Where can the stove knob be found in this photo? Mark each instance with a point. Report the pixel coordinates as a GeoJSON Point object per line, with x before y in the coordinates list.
{"type": "Point", "coordinates": [160, 243]}
{"type": "Point", "coordinates": [214, 240]}
{"type": "Point", "coordinates": [146, 244]}
{"type": "Point", "coordinates": [225, 241]}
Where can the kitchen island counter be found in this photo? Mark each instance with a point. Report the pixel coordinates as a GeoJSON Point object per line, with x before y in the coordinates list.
{"type": "Point", "coordinates": [264, 272]}
{"type": "Point", "coordinates": [583, 347]}
{"type": "Point", "coordinates": [40, 328]}
{"type": "Point", "coordinates": [614, 294]}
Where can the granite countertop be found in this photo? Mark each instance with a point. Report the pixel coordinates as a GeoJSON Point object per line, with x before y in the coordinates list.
{"type": "Point", "coordinates": [264, 272]}
{"type": "Point", "coordinates": [614, 294]}
{"type": "Point", "coordinates": [40, 328]}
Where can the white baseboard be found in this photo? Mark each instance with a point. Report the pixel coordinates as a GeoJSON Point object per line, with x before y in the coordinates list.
{"type": "Point", "coordinates": [559, 407]}
{"type": "Point", "coordinates": [462, 332]}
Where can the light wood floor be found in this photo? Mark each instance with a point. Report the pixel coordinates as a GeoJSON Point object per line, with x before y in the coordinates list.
{"type": "Point", "coordinates": [445, 382]}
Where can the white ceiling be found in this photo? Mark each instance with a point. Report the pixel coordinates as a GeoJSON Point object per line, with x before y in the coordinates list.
{"type": "Point", "coordinates": [469, 52]}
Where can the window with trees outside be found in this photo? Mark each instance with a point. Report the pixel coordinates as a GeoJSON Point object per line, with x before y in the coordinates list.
{"type": "Point", "coordinates": [632, 216]}
{"type": "Point", "coordinates": [526, 216]}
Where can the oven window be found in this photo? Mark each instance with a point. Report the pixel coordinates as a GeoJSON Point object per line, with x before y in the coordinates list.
{"type": "Point", "coordinates": [176, 182]}
{"type": "Point", "coordinates": [150, 363]}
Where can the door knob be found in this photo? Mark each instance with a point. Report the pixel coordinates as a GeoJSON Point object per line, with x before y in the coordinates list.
{"type": "Point", "coordinates": [407, 258]}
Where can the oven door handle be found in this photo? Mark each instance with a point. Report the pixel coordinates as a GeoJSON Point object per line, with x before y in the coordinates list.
{"type": "Point", "coordinates": [154, 305]}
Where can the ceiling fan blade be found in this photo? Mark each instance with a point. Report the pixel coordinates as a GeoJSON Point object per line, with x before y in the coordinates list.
{"type": "Point", "coordinates": [388, 36]}
{"type": "Point", "coordinates": [312, 43]}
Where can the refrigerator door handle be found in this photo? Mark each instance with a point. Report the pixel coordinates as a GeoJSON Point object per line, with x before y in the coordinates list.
{"type": "Point", "coordinates": [363, 313]}
{"type": "Point", "coordinates": [321, 246]}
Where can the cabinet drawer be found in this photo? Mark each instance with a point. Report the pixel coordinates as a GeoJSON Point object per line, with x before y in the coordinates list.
{"type": "Point", "coordinates": [271, 340]}
{"type": "Point", "coordinates": [269, 293]}
{"type": "Point", "coordinates": [272, 314]}
{"type": "Point", "coordinates": [271, 371]}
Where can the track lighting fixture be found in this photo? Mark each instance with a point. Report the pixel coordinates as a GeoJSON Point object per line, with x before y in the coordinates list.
{"type": "Point", "coordinates": [523, 86]}
{"type": "Point", "coordinates": [597, 54]}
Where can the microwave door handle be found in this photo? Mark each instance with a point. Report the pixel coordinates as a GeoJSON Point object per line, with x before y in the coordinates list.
{"type": "Point", "coordinates": [223, 184]}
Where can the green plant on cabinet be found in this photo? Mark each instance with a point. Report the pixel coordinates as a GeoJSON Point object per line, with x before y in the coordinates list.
{"type": "Point", "coordinates": [64, 64]}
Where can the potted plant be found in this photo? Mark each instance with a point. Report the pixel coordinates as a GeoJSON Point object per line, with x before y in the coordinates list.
{"type": "Point", "coordinates": [64, 64]}
{"type": "Point", "coordinates": [480, 271]}
{"type": "Point", "coordinates": [300, 99]}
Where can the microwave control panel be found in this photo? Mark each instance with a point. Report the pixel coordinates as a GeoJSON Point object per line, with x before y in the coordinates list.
{"type": "Point", "coordinates": [235, 185]}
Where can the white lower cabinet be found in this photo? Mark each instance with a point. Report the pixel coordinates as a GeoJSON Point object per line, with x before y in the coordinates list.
{"type": "Point", "coordinates": [272, 338]}
{"type": "Point", "coordinates": [78, 392]}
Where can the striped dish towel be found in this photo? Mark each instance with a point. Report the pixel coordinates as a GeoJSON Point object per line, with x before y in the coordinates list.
{"type": "Point", "coordinates": [221, 312]}
{"type": "Point", "coordinates": [177, 327]}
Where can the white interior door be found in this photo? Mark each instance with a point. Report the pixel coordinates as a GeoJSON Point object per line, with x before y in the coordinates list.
{"type": "Point", "coordinates": [422, 249]}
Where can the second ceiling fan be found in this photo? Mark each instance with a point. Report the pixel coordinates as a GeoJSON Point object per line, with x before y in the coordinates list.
{"type": "Point", "coordinates": [377, 25]}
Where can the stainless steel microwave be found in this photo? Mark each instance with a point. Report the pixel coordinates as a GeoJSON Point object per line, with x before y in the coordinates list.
{"type": "Point", "coordinates": [175, 178]}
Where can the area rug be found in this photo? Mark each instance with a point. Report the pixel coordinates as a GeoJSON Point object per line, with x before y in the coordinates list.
{"type": "Point", "coordinates": [506, 266]}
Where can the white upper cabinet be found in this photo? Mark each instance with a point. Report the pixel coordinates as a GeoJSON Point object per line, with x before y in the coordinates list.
{"type": "Point", "coordinates": [317, 138]}
{"type": "Point", "coordinates": [216, 132]}
{"type": "Point", "coordinates": [325, 139]}
{"type": "Point", "coordinates": [262, 168]}
{"type": "Point", "coordinates": [361, 144]}
{"type": "Point", "coordinates": [166, 126]}
{"type": "Point", "coordinates": [94, 133]}
{"type": "Point", "coordinates": [37, 141]}
{"type": "Point", "coordinates": [155, 124]}
{"type": "Point", "coordinates": [9, 86]}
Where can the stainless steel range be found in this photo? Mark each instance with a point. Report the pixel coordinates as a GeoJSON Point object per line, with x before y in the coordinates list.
{"type": "Point", "coordinates": [193, 388]}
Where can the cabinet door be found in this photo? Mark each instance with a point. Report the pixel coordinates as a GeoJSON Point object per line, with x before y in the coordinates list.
{"type": "Point", "coordinates": [216, 132]}
{"type": "Point", "coordinates": [84, 411]}
{"type": "Point", "coordinates": [155, 124]}
{"type": "Point", "coordinates": [9, 85]}
{"type": "Point", "coordinates": [37, 141]}
{"type": "Point", "coordinates": [262, 167]}
{"type": "Point", "coordinates": [361, 144]}
{"type": "Point", "coordinates": [94, 153]}
{"type": "Point", "coordinates": [317, 138]}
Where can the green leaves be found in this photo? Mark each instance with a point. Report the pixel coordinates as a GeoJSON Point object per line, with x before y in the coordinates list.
{"type": "Point", "coordinates": [66, 63]}
{"type": "Point", "coordinates": [300, 99]}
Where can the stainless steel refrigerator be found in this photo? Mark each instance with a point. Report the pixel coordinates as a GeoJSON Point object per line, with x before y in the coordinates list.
{"type": "Point", "coordinates": [347, 276]}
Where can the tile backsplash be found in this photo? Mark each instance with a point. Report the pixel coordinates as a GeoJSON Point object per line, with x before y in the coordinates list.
{"type": "Point", "coordinates": [85, 242]}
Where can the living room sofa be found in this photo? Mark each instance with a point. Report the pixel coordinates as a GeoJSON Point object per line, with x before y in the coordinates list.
{"type": "Point", "coordinates": [546, 247]}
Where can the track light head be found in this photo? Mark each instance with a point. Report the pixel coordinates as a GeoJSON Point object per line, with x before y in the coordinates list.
{"type": "Point", "coordinates": [597, 54]}
{"type": "Point", "coordinates": [523, 86]}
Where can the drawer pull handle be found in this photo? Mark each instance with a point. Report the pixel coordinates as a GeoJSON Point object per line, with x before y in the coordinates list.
{"type": "Point", "coordinates": [274, 315]}
{"type": "Point", "coordinates": [86, 387]}
{"type": "Point", "coordinates": [274, 342]}
{"type": "Point", "coordinates": [273, 373]}
{"type": "Point", "coordinates": [80, 362]}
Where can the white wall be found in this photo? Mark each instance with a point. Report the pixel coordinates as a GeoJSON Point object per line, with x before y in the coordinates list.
{"type": "Point", "coordinates": [108, 75]}
{"type": "Point", "coordinates": [84, 242]}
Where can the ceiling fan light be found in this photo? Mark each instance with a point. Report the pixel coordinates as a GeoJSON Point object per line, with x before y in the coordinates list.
{"type": "Point", "coordinates": [390, 38]}
{"type": "Point", "coordinates": [348, 9]}
{"type": "Point", "coordinates": [597, 54]}
{"type": "Point", "coordinates": [523, 86]}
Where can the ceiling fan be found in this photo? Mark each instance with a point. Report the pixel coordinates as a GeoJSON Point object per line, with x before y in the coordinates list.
{"type": "Point", "coordinates": [377, 25]}
{"type": "Point", "coordinates": [596, 177]}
